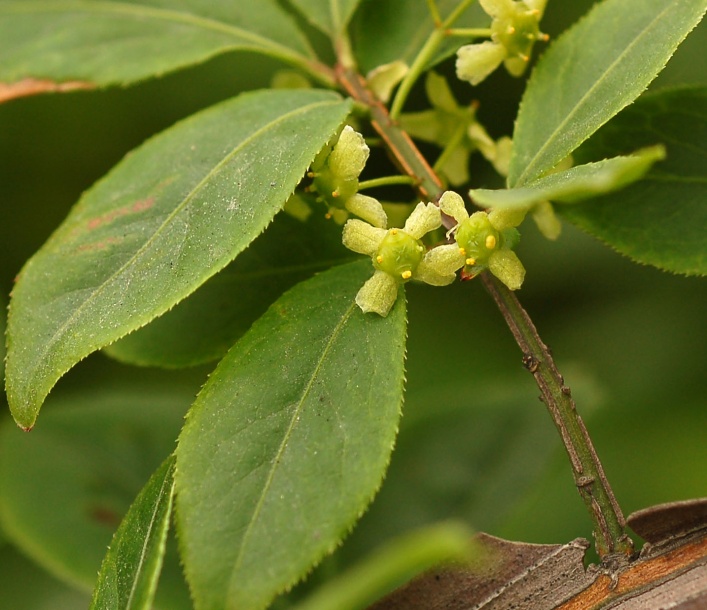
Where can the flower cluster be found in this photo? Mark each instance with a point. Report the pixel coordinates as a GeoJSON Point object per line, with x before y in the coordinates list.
{"type": "Point", "coordinates": [399, 255]}
{"type": "Point", "coordinates": [514, 30]}
{"type": "Point", "coordinates": [486, 240]}
{"type": "Point", "coordinates": [335, 171]}
{"type": "Point", "coordinates": [456, 130]}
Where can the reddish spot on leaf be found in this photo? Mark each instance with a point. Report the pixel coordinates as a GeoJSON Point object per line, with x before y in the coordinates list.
{"type": "Point", "coordinates": [99, 245]}
{"type": "Point", "coordinates": [33, 86]}
{"type": "Point", "coordinates": [139, 206]}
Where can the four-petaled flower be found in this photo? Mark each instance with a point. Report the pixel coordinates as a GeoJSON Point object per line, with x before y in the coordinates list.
{"type": "Point", "coordinates": [514, 30]}
{"type": "Point", "coordinates": [399, 255]}
{"type": "Point", "coordinates": [485, 240]}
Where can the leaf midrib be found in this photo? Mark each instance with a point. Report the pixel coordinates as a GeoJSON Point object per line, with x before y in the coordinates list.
{"type": "Point", "coordinates": [154, 13]}
{"type": "Point", "coordinates": [288, 433]}
{"type": "Point", "coordinates": [553, 136]}
{"type": "Point", "coordinates": [168, 480]}
{"type": "Point", "coordinates": [103, 286]}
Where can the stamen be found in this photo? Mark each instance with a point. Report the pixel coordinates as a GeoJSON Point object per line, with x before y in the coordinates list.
{"type": "Point", "coordinates": [406, 274]}
{"type": "Point", "coordinates": [490, 242]}
{"type": "Point", "coordinates": [470, 261]}
{"type": "Point", "coordinates": [379, 258]}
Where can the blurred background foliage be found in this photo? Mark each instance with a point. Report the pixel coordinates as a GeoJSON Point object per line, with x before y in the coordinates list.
{"type": "Point", "coordinates": [475, 442]}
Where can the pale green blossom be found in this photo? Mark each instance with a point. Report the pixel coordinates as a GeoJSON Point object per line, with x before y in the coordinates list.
{"type": "Point", "coordinates": [485, 240]}
{"type": "Point", "coordinates": [398, 256]}
{"type": "Point", "coordinates": [514, 31]}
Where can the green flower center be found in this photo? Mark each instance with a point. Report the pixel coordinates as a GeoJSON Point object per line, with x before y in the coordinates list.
{"type": "Point", "coordinates": [399, 254]}
{"type": "Point", "coordinates": [477, 239]}
{"type": "Point", "coordinates": [517, 30]}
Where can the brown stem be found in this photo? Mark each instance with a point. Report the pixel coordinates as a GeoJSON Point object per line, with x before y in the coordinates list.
{"type": "Point", "coordinates": [609, 523]}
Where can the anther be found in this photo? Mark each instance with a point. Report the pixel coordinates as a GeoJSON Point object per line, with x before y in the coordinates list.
{"type": "Point", "coordinates": [335, 193]}
{"type": "Point", "coordinates": [379, 258]}
{"type": "Point", "coordinates": [406, 275]}
{"type": "Point", "coordinates": [311, 175]}
{"type": "Point", "coordinates": [393, 231]}
{"type": "Point", "coordinates": [470, 261]}
{"type": "Point", "coordinates": [524, 57]}
{"type": "Point", "coordinates": [511, 30]}
{"type": "Point", "coordinates": [490, 242]}
{"type": "Point", "coordinates": [327, 215]}
{"type": "Point", "coordinates": [462, 251]}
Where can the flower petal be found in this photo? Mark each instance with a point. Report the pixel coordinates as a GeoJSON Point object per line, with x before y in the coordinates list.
{"type": "Point", "coordinates": [378, 294]}
{"type": "Point", "coordinates": [452, 204]}
{"type": "Point", "coordinates": [546, 220]}
{"type": "Point", "coordinates": [456, 167]}
{"type": "Point", "coordinates": [440, 265]}
{"type": "Point", "coordinates": [506, 266]}
{"type": "Point", "coordinates": [424, 218]}
{"type": "Point", "coordinates": [383, 79]}
{"type": "Point", "coordinates": [505, 217]}
{"type": "Point", "coordinates": [361, 237]}
{"type": "Point", "coordinates": [349, 156]}
{"type": "Point", "coordinates": [368, 208]}
{"type": "Point", "coordinates": [494, 8]}
{"type": "Point", "coordinates": [476, 61]}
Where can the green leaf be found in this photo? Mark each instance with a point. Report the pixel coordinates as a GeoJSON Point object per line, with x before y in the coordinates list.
{"type": "Point", "coordinates": [575, 184]}
{"type": "Point", "coordinates": [330, 16]}
{"type": "Point", "coordinates": [164, 220]}
{"type": "Point", "coordinates": [660, 220]}
{"type": "Point", "coordinates": [3, 315]}
{"type": "Point", "coordinates": [65, 486]}
{"type": "Point", "coordinates": [393, 565]}
{"type": "Point", "coordinates": [288, 442]}
{"type": "Point", "coordinates": [55, 44]}
{"type": "Point", "coordinates": [388, 30]}
{"type": "Point", "coordinates": [596, 68]}
{"type": "Point", "coordinates": [207, 323]}
{"type": "Point", "coordinates": [131, 568]}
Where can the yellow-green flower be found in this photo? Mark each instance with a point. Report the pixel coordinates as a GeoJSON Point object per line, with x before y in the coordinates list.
{"type": "Point", "coordinates": [514, 30]}
{"type": "Point", "coordinates": [398, 255]}
{"type": "Point", "coordinates": [335, 172]}
{"type": "Point", "coordinates": [486, 240]}
{"type": "Point", "coordinates": [455, 129]}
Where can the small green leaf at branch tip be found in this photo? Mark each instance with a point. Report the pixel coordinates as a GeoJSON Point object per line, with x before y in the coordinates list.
{"type": "Point", "coordinates": [165, 219]}
{"type": "Point", "coordinates": [394, 564]}
{"type": "Point", "coordinates": [575, 184]}
{"type": "Point", "coordinates": [285, 469]}
{"type": "Point", "coordinates": [659, 220]}
{"type": "Point", "coordinates": [604, 62]}
{"type": "Point", "coordinates": [131, 568]}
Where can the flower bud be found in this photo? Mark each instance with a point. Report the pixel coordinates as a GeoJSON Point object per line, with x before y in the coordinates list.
{"type": "Point", "coordinates": [349, 156]}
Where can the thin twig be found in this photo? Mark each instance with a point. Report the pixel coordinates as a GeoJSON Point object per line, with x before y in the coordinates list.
{"type": "Point", "coordinates": [609, 523]}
